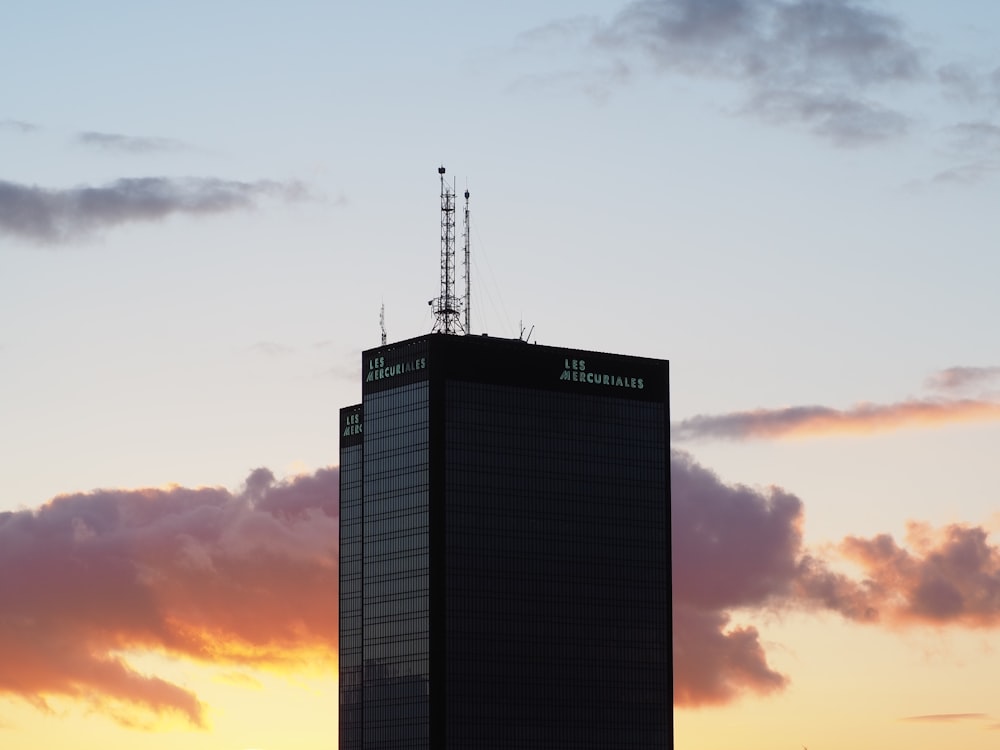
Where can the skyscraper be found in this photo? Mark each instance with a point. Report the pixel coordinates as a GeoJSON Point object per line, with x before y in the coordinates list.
{"type": "Point", "coordinates": [505, 549]}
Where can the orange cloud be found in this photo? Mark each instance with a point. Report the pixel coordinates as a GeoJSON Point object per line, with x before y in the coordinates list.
{"type": "Point", "coordinates": [862, 419]}
{"type": "Point", "coordinates": [740, 548]}
{"type": "Point", "coordinates": [811, 421]}
{"type": "Point", "coordinates": [245, 578]}
{"type": "Point", "coordinates": [249, 579]}
{"type": "Point", "coordinates": [939, 718]}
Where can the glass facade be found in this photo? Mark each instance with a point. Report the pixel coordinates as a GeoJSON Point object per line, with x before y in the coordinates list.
{"type": "Point", "coordinates": [505, 553]}
{"type": "Point", "coordinates": [557, 604]}
{"type": "Point", "coordinates": [396, 603]}
{"type": "Point", "coordinates": [351, 559]}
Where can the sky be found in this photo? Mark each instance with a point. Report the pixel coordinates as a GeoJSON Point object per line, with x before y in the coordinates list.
{"type": "Point", "coordinates": [204, 207]}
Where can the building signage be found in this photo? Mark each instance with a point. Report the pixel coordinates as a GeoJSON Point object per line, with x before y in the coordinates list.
{"type": "Point", "coordinates": [378, 370]}
{"type": "Point", "coordinates": [352, 425]}
{"type": "Point", "coordinates": [576, 371]}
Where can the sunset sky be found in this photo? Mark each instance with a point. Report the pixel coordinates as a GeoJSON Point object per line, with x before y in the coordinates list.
{"type": "Point", "coordinates": [203, 207]}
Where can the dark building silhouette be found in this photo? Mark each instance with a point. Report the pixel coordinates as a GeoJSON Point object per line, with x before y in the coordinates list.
{"type": "Point", "coordinates": [505, 549]}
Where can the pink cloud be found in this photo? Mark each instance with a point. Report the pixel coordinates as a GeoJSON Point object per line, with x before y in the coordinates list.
{"type": "Point", "coordinates": [861, 419]}
{"type": "Point", "coordinates": [249, 579]}
{"type": "Point", "coordinates": [245, 578]}
{"type": "Point", "coordinates": [740, 548]}
{"type": "Point", "coordinates": [813, 421]}
{"type": "Point", "coordinates": [944, 576]}
{"type": "Point", "coordinates": [733, 547]}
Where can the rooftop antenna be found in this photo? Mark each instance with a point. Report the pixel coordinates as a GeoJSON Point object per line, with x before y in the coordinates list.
{"type": "Point", "coordinates": [468, 278]}
{"type": "Point", "coordinates": [446, 307]}
{"type": "Point", "coordinates": [522, 337]}
{"type": "Point", "coordinates": [381, 322]}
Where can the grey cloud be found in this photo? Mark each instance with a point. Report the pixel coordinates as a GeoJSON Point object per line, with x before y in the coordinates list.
{"type": "Point", "coordinates": [19, 126]}
{"type": "Point", "coordinates": [808, 62]}
{"type": "Point", "coordinates": [963, 378]}
{"type": "Point", "coordinates": [689, 36]}
{"type": "Point", "coordinates": [958, 82]}
{"type": "Point", "coordinates": [128, 143]}
{"type": "Point", "coordinates": [844, 39]}
{"type": "Point", "coordinates": [771, 43]}
{"type": "Point", "coordinates": [843, 120]}
{"type": "Point", "coordinates": [980, 136]}
{"type": "Point", "coordinates": [970, 84]}
{"type": "Point", "coordinates": [564, 29]}
{"type": "Point", "coordinates": [57, 215]}
{"type": "Point", "coordinates": [970, 173]}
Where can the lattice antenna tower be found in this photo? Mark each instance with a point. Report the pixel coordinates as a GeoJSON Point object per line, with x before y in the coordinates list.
{"type": "Point", "coordinates": [467, 308]}
{"type": "Point", "coordinates": [447, 308]}
{"type": "Point", "coordinates": [381, 322]}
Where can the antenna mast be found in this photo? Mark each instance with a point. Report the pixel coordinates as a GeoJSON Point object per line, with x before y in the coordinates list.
{"type": "Point", "coordinates": [381, 322]}
{"type": "Point", "coordinates": [468, 278]}
{"type": "Point", "coordinates": [446, 307]}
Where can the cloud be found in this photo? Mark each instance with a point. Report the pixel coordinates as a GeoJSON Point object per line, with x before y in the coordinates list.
{"type": "Point", "coordinates": [802, 62]}
{"type": "Point", "coordinates": [936, 718]}
{"type": "Point", "coordinates": [969, 173]}
{"type": "Point", "coordinates": [246, 579]}
{"type": "Point", "coordinates": [945, 576]}
{"type": "Point", "coordinates": [716, 567]}
{"type": "Point", "coordinates": [740, 549]}
{"type": "Point", "coordinates": [59, 215]}
{"type": "Point", "coordinates": [18, 126]}
{"type": "Point", "coordinates": [969, 84]}
{"type": "Point", "coordinates": [844, 120]}
{"type": "Point", "coordinates": [861, 419]}
{"type": "Point", "coordinates": [960, 83]}
{"type": "Point", "coordinates": [736, 548]}
{"type": "Point", "coordinates": [977, 136]}
{"type": "Point", "coordinates": [128, 143]}
{"type": "Point", "coordinates": [963, 378]}
{"type": "Point", "coordinates": [807, 41]}
{"type": "Point", "coordinates": [813, 421]}
{"type": "Point", "coordinates": [271, 348]}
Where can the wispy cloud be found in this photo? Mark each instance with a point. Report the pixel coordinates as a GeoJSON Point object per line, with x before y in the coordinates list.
{"type": "Point", "coordinates": [128, 143]}
{"type": "Point", "coordinates": [844, 120]}
{"type": "Point", "coordinates": [811, 421]}
{"type": "Point", "coordinates": [58, 215]}
{"type": "Point", "coordinates": [945, 718]}
{"type": "Point", "coordinates": [964, 379]}
{"type": "Point", "coordinates": [242, 578]}
{"type": "Point", "coordinates": [271, 348]}
{"type": "Point", "coordinates": [969, 84]}
{"type": "Point", "coordinates": [967, 173]}
{"type": "Point", "coordinates": [862, 419]}
{"type": "Point", "coordinates": [19, 126]}
{"type": "Point", "coordinates": [975, 145]}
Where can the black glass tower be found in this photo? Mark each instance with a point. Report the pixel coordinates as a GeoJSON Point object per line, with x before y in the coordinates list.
{"type": "Point", "coordinates": [505, 549]}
